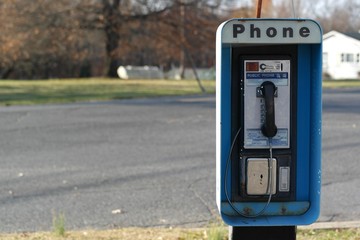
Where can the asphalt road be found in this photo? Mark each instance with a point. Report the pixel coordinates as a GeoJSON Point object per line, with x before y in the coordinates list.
{"type": "Point", "coordinates": [147, 162]}
{"type": "Point", "coordinates": [341, 155]}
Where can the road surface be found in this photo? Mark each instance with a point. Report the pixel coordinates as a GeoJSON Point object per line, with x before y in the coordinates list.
{"type": "Point", "coordinates": [144, 162]}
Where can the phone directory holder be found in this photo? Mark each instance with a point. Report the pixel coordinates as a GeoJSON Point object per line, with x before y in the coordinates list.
{"type": "Point", "coordinates": [268, 121]}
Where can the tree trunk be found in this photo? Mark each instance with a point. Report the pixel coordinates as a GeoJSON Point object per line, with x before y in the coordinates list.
{"type": "Point", "coordinates": [5, 73]}
{"type": "Point", "coordinates": [112, 43]}
{"type": "Point", "coordinates": [112, 26]}
{"type": "Point", "coordinates": [182, 36]}
{"type": "Point", "coordinates": [203, 90]}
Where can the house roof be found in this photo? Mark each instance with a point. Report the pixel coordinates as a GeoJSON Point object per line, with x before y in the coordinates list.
{"type": "Point", "coordinates": [341, 41]}
{"type": "Point", "coordinates": [355, 35]}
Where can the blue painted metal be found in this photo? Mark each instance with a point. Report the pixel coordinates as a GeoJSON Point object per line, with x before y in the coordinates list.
{"type": "Point", "coordinates": [306, 208]}
{"type": "Point", "coordinates": [274, 209]}
{"type": "Point", "coordinates": [315, 135]}
{"type": "Point", "coordinates": [303, 124]}
{"type": "Point", "coordinates": [225, 112]}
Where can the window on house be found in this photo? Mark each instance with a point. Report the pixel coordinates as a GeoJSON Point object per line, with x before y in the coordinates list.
{"type": "Point", "coordinates": [358, 57]}
{"type": "Point", "coordinates": [347, 57]}
{"type": "Point", "coordinates": [325, 59]}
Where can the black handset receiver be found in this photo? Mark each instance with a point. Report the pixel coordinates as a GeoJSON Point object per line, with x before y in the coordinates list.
{"type": "Point", "coordinates": [268, 91]}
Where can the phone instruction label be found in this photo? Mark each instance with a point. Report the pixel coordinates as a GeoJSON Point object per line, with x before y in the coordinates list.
{"type": "Point", "coordinates": [256, 139]}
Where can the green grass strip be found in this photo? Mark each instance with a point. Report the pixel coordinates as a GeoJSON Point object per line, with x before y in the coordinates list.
{"type": "Point", "coordinates": [14, 92]}
{"type": "Point", "coordinates": [30, 92]}
{"type": "Point", "coordinates": [350, 83]}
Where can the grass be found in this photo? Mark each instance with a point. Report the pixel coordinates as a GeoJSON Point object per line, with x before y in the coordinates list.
{"type": "Point", "coordinates": [15, 92]}
{"type": "Point", "coordinates": [174, 234]}
{"type": "Point", "coordinates": [329, 234]}
{"type": "Point", "coordinates": [59, 224]}
{"type": "Point", "coordinates": [349, 83]}
{"type": "Point", "coordinates": [217, 233]}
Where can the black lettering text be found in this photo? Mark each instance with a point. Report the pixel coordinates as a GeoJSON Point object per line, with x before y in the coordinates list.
{"type": "Point", "coordinates": [304, 32]}
{"type": "Point", "coordinates": [288, 32]}
{"type": "Point", "coordinates": [238, 29]}
{"type": "Point", "coordinates": [254, 30]}
{"type": "Point", "coordinates": [271, 32]}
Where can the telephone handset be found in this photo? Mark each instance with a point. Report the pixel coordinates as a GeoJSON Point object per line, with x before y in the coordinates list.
{"type": "Point", "coordinates": [268, 90]}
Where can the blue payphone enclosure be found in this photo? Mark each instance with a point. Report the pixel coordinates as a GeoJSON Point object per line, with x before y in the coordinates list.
{"type": "Point", "coordinates": [307, 35]}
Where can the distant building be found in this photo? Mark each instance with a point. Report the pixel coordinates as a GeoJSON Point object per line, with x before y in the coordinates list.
{"type": "Point", "coordinates": [139, 72]}
{"type": "Point", "coordinates": [153, 72]}
{"type": "Point", "coordinates": [341, 55]}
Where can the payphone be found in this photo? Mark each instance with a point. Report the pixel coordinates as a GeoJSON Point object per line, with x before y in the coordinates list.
{"type": "Point", "coordinates": [268, 121]}
{"type": "Point", "coordinates": [265, 108]}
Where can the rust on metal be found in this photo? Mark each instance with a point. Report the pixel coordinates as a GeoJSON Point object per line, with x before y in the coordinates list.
{"type": "Point", "coordinates": [258, 9]}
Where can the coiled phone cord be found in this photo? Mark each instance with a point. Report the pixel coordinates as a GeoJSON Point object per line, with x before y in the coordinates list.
{"type": "Point", "coordinates": [268, 188]}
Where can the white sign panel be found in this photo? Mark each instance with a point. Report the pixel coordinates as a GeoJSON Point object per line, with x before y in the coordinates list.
{"type": "Point", "coordinates": [269, 31]}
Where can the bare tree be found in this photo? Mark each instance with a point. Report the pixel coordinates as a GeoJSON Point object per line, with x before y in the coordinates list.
{"type": "Point", "coordinates": [138, 30]}
{"type": "Point", "coordinates": [119, 22]}
{"type": "Point", "coordinates": [342, 16]}
{"type": "Point", "coordinates": [192, 31]}
{"type": "Point", "coordinates": [61, 39]}
{"type": "Point", "coordinates": [39, 40]}
{"type": "Point", "coordinates": [332, 14]}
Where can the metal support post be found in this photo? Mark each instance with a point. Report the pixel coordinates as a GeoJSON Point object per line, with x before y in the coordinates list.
{"type": "Point", "coordinates": [262, 233]}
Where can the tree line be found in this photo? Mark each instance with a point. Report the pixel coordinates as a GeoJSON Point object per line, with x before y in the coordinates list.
{"type": "Point", "coordinates": [42, 39]}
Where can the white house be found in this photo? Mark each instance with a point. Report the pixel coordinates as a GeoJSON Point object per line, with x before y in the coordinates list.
{"type": "Point", "coordinates": [341, 55]}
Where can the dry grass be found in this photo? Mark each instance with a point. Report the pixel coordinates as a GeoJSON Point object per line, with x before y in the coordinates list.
{"type": "Point", "coordinates": [123, 234]}
{"type": "Point", "coordinates": [173, 234]}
